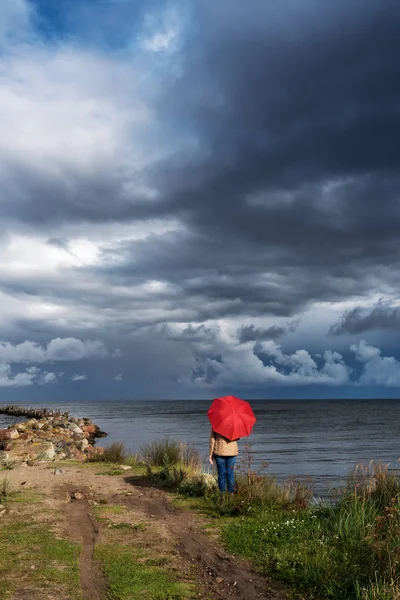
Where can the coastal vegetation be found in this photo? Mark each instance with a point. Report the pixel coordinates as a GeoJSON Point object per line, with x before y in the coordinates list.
{"type": "Point", "coordinates": [344, 547]}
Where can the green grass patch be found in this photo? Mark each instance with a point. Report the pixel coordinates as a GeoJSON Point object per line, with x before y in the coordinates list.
{"type": "Point", "coordinates": [129, 577]}
{"type": "Point", "coordinates": [27, 497]}
{"type": "Point", "coordinates": [110, 468]}
{"type": "Point", "coordinates": [346, 550]}
{"type": "Point", "coordinates": [38, 558]}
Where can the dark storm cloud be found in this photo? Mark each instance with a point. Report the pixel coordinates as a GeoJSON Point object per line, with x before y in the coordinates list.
{"type": "Point", "coordinates": [250, 333]}
{"type": "Point", "coordinates": [299, 129]}
{"type": "Point", "coordinates": [61, 243]}
{"type": "Point", "coordinates": [291, 194]}
{"type": "Point", "coordinates": [205, 370]}
{"type": "Point", "coordinates": [358, 320]}
{"type": "Point", "coordinates": [200, 334]}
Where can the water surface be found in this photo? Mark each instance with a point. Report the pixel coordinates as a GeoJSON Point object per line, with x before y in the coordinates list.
{"type": "Point", "coordinates": [322, 439]}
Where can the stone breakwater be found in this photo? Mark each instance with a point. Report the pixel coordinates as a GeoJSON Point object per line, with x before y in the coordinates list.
{"type": "Point", "coordinates": [31, 413]}
{"type": "Point", "coordinates": [52, 435]}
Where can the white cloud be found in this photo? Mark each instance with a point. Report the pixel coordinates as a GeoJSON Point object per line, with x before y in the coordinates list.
{"type": "Point", "coordinates": [58, 349]}
{"type": "Point", "coordinates": [118, 377]}
{"type": "Point", "coordinates": [31, 375]}
{"type": "Point", "coordinates": [47, 378]}
{"type": "Point", "coordinates": [266, 363]}
{"type": "Point", "coordinates": [378, 369]}
{"type": "Point", "coordinates": [20, 380]}
{"type": "Point", "coordinates": [364, 352]}
{"type": "Point", "coordinates": [77, 377]}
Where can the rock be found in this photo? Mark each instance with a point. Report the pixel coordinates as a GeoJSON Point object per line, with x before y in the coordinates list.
{"type": "Point", "coordinates": [58, 471]}
{"type": "Point", "coordinates": [46, 435]}
{"type": "Point", "coordinates": [32, 451]}
{"type": "Point", "coordinates": [219, 580]}
{"type": "Point", "coordinates": [77, 496]}
{"type": "Point", "coordinates": [9, 434]}
{"type": "Point", "coordinates": [82, 445]}
{"type": "Point", "coordinates": [74, 428]}
{"type": "Point", "coordinates": [125, 467]}
{"type": "Point", "coordinates": [90, 428]}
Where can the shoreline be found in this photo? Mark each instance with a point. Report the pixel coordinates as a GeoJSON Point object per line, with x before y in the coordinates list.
{"type": "Point", "coordinates": [47, 434]}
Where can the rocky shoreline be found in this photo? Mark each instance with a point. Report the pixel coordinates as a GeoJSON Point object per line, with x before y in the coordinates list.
{"type": "Point", "coordinates": [48, 435]}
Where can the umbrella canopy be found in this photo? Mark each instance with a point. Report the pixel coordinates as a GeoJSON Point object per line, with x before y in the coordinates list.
{"type": "Point", "coordinates": [231, 417]}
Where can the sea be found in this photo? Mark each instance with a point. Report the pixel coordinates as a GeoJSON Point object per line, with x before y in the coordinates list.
{"type": "Point", "coordinates": [321, 440]}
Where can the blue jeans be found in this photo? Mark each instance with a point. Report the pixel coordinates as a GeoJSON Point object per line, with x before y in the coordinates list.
{"type": "Point", "coordinates": [226, 472]}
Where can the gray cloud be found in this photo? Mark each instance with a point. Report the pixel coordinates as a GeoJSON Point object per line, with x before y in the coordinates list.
{"type": "Point", "coordinates": [358, 320]}
{"type": "Point", "coordinates": [250, 333]}
{"type": "Point", "coordinates": [270, 138]}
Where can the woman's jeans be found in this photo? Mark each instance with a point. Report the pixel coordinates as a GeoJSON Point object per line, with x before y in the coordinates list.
{"type": "Point", "coordinates": [226, 472]}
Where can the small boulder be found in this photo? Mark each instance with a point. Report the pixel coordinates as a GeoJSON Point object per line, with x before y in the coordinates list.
{"type": "Point", "coordinates": [9, 434]}
{"type": "Point", "coordinates": [81, 445]}
{"type": "Point", "coordinates": [32, 451]}
{"type": "Point", "coordinates": [75, 428]}
{"type": "Point", "coordinates": [90, 428]}
{"type": "Point", "coordinates": [77, 496]}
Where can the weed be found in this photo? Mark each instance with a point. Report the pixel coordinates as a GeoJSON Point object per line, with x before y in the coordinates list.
{"type": "Point", "coordinates": [114, 453]}
{"type": "Point", "coordinates": [5, 490]}
{"type": "Point", "coordinates": [161, 452]}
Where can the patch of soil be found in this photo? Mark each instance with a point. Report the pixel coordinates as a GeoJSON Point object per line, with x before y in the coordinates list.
{"type": "Point", "coordinates": [82, 529]}
{"type": "Point", "coordinates": [220, 574]}
{"type": "Point", "coordinates": [166, 528]}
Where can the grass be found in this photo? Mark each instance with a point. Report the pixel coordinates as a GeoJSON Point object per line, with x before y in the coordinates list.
{"type": "Point", "coordinates": [146, 568]}
{"type": "Point", "coordinates": [130, 576]}
{"type": "Point", "coordinates": [349, 549]}
{"type": "Point", "coordinates": [344, 549]}
{"type": "Point", "coordinates": [107, 509]}
{"type": "Point", "coordinates": [171, 453]}
{"type": "Point", "coordinates": [35, 556]}
{"type": "Point", "coordinates": [115, 453]}
{"type": "Point", "coordinates": [175, 464]}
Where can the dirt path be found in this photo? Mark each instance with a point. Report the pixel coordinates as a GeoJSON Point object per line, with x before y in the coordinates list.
{"type": "Point", "coordinates": [219, 573]}
{"type": "Point", "coordinates": [167, 530]}
{"type": "Point", "coordinates": [83, 529]}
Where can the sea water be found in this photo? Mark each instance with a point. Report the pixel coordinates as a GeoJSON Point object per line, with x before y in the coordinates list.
{"type": "Point", "coordinates": [320, 439]}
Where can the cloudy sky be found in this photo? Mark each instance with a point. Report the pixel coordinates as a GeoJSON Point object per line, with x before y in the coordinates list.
{"type": "Point", "coordinates": [199, 198]}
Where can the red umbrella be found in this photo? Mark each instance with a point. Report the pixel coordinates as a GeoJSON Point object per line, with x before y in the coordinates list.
{"type": "Point", "coordinates": [231, 417]}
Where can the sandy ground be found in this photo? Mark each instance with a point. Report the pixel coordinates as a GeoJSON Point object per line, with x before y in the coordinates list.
{"type": "Point", "coordinates": [167, 529]}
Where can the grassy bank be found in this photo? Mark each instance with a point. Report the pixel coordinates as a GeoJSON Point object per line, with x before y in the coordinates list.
{"type": "Point", "coordinates": [347, 548]}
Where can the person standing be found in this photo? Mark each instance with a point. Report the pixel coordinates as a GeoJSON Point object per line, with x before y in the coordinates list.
{"type": "Point", "coordinates": [225, 453]}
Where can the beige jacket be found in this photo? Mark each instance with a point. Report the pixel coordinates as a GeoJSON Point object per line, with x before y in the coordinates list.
{"type": "Point", "coordinates": [221, 446]}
